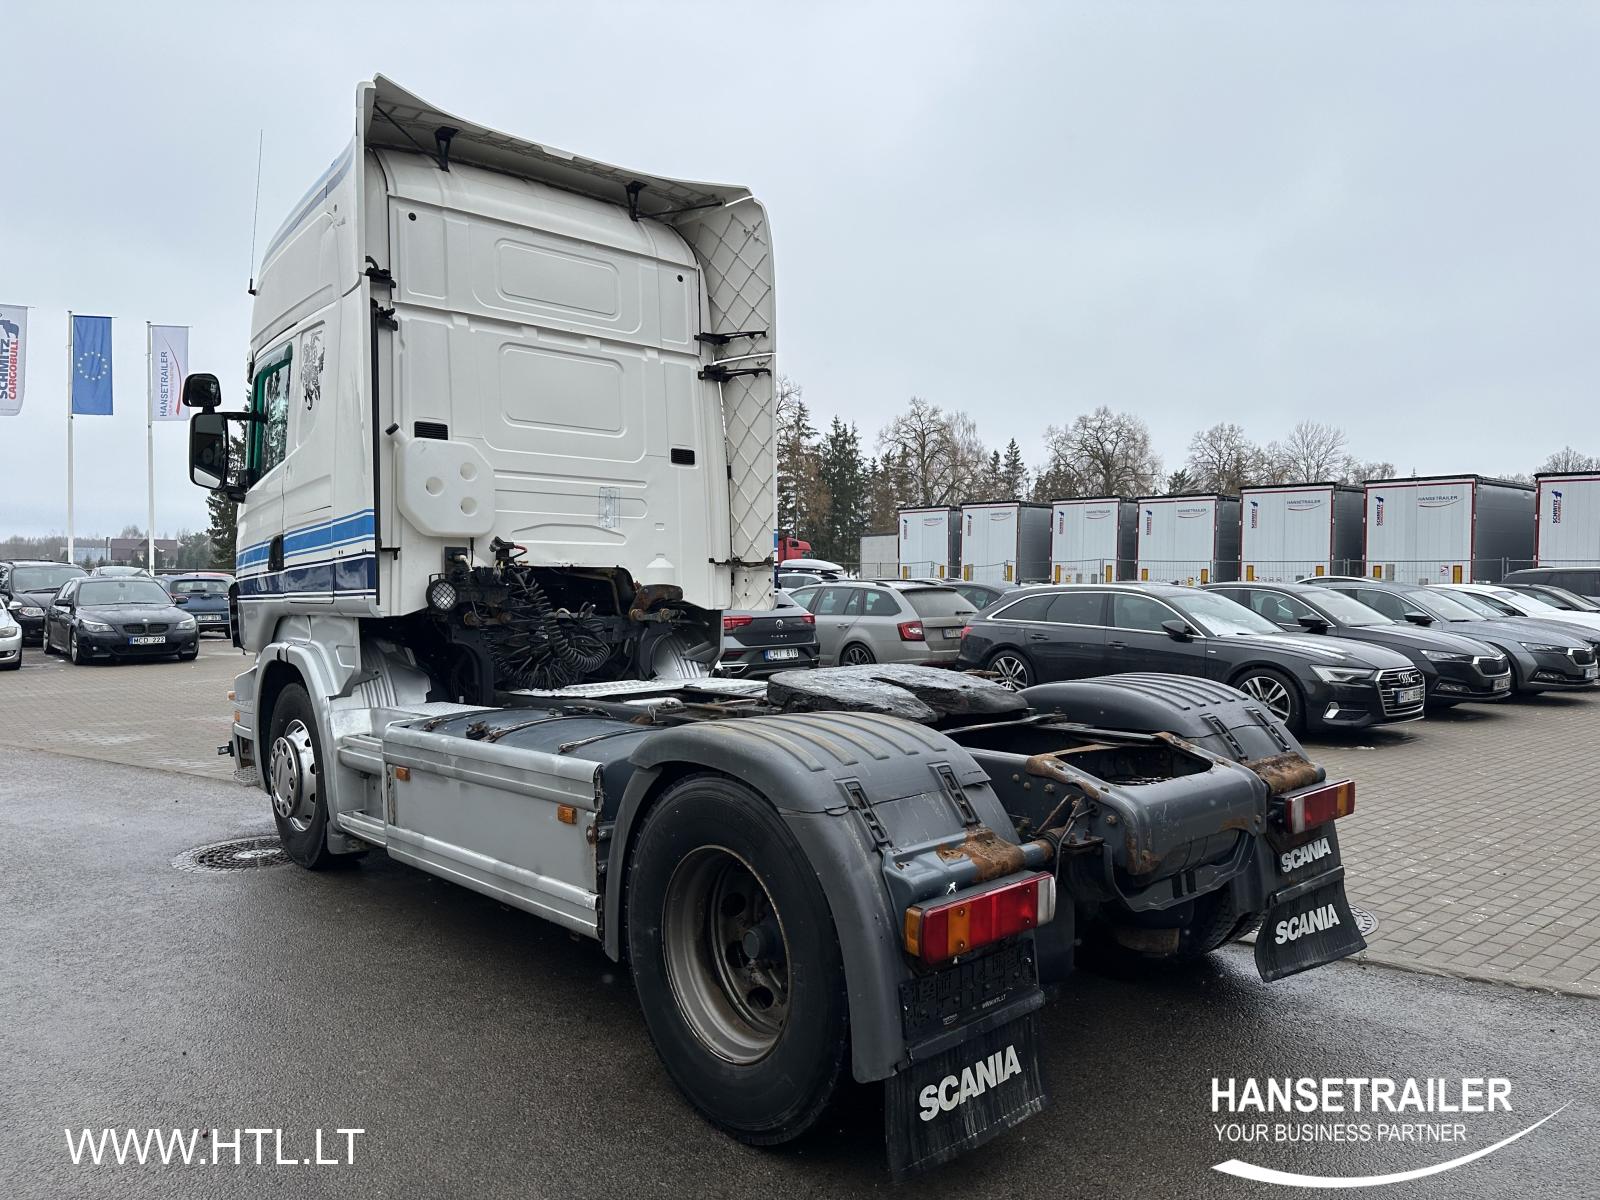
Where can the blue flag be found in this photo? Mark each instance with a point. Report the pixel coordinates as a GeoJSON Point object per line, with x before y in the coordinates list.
{"type": "Point", "coordinates": [91, 366]}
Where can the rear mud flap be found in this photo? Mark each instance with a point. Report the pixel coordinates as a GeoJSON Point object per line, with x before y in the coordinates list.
{"type": "Point", "coordinates": [954, 1101]}
{"type": "Point", "coordinates": [1306, 926]}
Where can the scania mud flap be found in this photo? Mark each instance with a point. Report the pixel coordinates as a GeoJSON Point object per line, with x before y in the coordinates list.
{"type": "Point", "coordinates": [1306, 926]}
{"type": "Point", "coordinates": [958, 1099]}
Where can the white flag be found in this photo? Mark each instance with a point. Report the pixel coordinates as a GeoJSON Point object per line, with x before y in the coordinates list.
{"type": "Point", "coordinates": [13, 333]}
{"type": "Point", "coordinates": [169, 355]}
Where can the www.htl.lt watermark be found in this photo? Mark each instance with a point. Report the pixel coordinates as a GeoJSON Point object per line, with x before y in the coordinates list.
{"type": "Point", "coordinates": [263, 1147]}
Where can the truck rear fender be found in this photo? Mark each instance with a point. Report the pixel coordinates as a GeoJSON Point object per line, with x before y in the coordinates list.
{"type": "Point", "coordinates": [807, 767]}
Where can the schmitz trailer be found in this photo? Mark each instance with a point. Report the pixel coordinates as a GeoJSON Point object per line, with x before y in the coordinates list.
{"type": "Point", "coordinates": [930, 543]}
{"type": "Point", "coordinates": [1293, 531]}
{"type": "Point", "coordinates": [1568, 517]}
{"type": "Point", "coordinates": [506, 461]}
{"type": "Point", "coordinates": [1190, 539]}
{"type": "Point", "coordinates": [1448, 529]}
{"type": "Point", "coordinates": [1093, 541]}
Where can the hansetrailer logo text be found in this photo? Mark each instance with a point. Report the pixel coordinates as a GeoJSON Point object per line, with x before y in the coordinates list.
{"type": "Point", "coordinates": [260, 1147]}
{"type": "Point", "coordinates": [1357, 1109]}
{"type": "Point", "coordinates": [955, 1090]}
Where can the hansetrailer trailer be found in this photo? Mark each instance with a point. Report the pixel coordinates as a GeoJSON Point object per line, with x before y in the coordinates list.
{"type": "Point", "coordinates": [1093, 540]}
{"type": "Point", "coordinates": [930, 543]}
{"type": "Point", "coordinates": [508, 458]}
{"type": "Point", "coordinates": [1005, 541]}
{"type": "Point", "coordinates": [1568, 520]}
{"type": "Point", "coordinates": [1448, 529]}
{"type": "Point", "coordinates": [1293, 531]}
{"type": "Point", "coordinates": [1188, 539]}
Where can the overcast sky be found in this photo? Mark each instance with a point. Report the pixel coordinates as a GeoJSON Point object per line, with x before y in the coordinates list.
{"type": "Point", "coordinates": [1379, 215]}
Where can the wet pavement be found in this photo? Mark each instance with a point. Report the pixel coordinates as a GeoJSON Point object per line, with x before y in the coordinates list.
{"type": "Point", "coordinates": [486, 1053]}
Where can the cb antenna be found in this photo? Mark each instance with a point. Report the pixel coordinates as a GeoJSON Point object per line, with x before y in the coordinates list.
{"type": "Point", "coordinates": [255, 214]}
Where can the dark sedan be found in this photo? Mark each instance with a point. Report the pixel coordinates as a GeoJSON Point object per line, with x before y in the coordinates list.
{"type": "Point", "coordinates": [1454, 668]}
{"type": "Point", "coordinates": [1557, 597]}
{"type": "Point", "coordinates": [119, 617]}
{"type": "Point", "coordinates": [1542, 658]}
{"type": "Point", "coordinates": [26, 589]}
{"type": "Point", "coordinates": [203, 597]}
{"type": "Point", "coordinates": [1079, 630]}
{"type": "Point", "coordinates": [756, 644]}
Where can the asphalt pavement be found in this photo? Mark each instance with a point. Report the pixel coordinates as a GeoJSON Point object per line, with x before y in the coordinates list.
{"type": "Point", "coordinates": [486, 1053]}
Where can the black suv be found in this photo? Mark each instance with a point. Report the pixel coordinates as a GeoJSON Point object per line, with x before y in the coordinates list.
{"type": "Point", "coordinates": [1454, 667]}
{"type": "Point", "coordinates": [1542, 657]}
{"type": "Point", "coordinates": [26, 588]}
{"type": "Point", "coordinates": [1075, 631]}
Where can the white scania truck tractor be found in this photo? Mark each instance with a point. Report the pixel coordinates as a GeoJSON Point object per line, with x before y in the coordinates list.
{"type": "Point", "coordinates": [507, 458]}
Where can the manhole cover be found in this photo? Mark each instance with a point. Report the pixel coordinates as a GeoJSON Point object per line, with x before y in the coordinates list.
{"type": "Point", "coordinates": [1366, 923]}
{"type": "Point", "coordinates": [241, 855]}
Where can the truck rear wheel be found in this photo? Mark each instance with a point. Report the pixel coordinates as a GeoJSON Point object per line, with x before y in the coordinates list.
{"type": "Point", "coordinates": [736, 961]}
{"type": "Point", "coordinates": [293, 775]}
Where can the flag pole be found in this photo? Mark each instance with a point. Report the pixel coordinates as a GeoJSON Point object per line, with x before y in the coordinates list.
{"type": "Point", "coordinates": [71, 558]}
{"type": "Point", "coordinates": [149, 454]}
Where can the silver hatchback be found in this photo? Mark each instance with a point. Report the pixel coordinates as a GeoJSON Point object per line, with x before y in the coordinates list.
{"type": "Point", "coordinates": [898, 622]}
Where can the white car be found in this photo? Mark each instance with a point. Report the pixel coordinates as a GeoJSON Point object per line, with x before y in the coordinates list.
{"type": "Point", "coordinates": [1509, 603]}
{"type": "Point", "coordinates": [10, 642]}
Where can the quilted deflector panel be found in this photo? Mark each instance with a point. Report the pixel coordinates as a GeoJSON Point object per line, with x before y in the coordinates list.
{"type": "Point", "coordinates": [735, 254]}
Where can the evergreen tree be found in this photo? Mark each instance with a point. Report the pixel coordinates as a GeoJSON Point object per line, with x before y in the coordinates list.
{"type": "Point", "coordinates": [1013, 478]}
{"type": "Point", "coordinates": [222, 532]}
{"type": "Point", "coordinates": [842, 476]}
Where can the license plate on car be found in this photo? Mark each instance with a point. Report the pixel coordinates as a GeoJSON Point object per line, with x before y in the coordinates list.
{"type": "Point", "coordinates": [211, 616]}
{"type": "Point", "coordinates": [1591, 672]}
{"type": "Point", "coordinates": [1503, 684]}
{"type": "Point", "coordinates": [779, 655]}
{"type": "Point", "coordinates": [952, 633]}
{"type": "Point", "coordinates": [153, 639]}
{"type": "Point", "coordinates": [1408, 696]}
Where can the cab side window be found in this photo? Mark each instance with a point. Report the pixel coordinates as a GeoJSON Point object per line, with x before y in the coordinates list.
{"type": "Point", "coordinates": [269, 440]}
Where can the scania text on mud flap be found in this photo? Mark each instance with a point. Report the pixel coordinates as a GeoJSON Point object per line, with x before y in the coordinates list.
{"type": "Point", "coordinates": [507, 461]}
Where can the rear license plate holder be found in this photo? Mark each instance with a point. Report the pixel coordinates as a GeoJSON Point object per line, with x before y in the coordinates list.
{"type": "Point", "coordinates": [953, 1101]}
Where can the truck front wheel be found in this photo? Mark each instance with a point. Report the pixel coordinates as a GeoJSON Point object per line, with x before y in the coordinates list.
{"type": "Point", "coordinates": [294, 781]}
{"type": "Point", "coordinates": [736, 961]}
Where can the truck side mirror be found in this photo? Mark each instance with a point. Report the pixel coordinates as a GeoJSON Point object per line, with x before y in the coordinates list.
{"type": "Point", "coordinates": [201, 391]}
{"type": "Point", "coordinates": [208, 448]}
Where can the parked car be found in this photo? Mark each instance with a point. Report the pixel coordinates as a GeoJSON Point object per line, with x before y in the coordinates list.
{"type": "Point", "coordinates": [1583, 580]}
{"type": "Point", "coordinates": [203, 597]}
{"type": "Point", "coordinates": [901, 621]}
{"type": "Point", "coordinates": [26, 588]}
{"type": "Point", "coordinates": [1074, 631]}
{"type": "Point", "coordinates": [112, 570]}
{"type": "Point", "coordinates": [757, 643]}
{"type": "Point", "coordinates": [1557, 597]}
{"type": "Point", "coordinates": [1493, 600]}
{"type": "Point", "coordinates": [1454, 668]}
{"type": "Point", "coordinates": [1542, 658]}
{"type": "Point", "coordinates": [979, 595]}
{"type": "Point", "coordinates": [118, 618]}
{"type": "Point", "coordinates": [10, 642]}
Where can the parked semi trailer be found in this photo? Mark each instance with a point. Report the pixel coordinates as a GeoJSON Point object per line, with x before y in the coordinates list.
{"type": "Point", "coordinates": [1568, 520]}
{"type": "Point", "coordinates": [1093, 540]}
{"type": "Point", "coordinates": [1294, 531]}
{"type": "Point", "coordinates": [1448, 529]}
{"type": "Point", "coordinates": [1189, 539]}
{"type": "Point", "coordinates": [930, 543]}
{"type": "Point", "coordinates": [507, 460]}
{"type": "Point", "coordinates": [1005, 542]}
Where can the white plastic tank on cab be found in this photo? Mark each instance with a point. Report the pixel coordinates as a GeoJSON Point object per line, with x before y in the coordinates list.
{"type": "Point", "coordinates": [1448, 529]}
{"type": "Point", "coordinates": [1093, 540]}
{"type": "Point", "coordinates": [1290, 532]}
{"type": "Point", "coordinates": [1191, 539]}
{"type": "Point", "coordinates": [1005, 542]}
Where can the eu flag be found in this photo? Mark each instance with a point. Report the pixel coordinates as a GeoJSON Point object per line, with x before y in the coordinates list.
{"type": "Point", "coordinates": [91, 366]}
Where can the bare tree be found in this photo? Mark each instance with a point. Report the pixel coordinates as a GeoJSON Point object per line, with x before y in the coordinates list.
{"type": "Point", "coordinates": [1357, 470]}
{"type": "Point", "coordinates": [1102, 453]}
{"type": "Point", "coordinates": [1312, 453]}
{"type": "Point", "coordinates": [802, 500]}
{"type": "Point", "coordinates": [938, 453]}
{"type": "Point", "coordinates": [1568, 459]}
{"type": "Point", "coordinates": [1222, 459]}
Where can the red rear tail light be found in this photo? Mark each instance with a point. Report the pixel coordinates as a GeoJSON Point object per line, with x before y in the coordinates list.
{"type": "Point", "coordinates": [966, 629]}
{"type": "Point", "coordinates": [807, 619]}
{"type": "Point", "coordinates": [1307, 810]}
{"type": "Point", "coordinates": [729, 624]}
{"type": "Point", "coordinates": [911, 631]}
{"type": "Point", "coordinates": [939, 932]}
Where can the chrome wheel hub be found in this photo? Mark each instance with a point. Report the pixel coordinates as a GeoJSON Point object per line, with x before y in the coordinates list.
{"type": "Point", "coordinates": [292, 772]}
{"type": "Point", "coordinates": [726, 954]}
